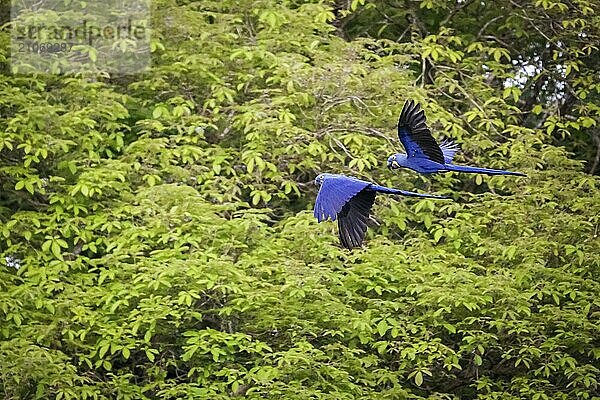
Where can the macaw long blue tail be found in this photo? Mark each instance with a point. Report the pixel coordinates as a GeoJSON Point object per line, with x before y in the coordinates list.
{"type": "Point", "coordinates": [383, 189]}
{"type": "Point", "coordinates": [477, 170]}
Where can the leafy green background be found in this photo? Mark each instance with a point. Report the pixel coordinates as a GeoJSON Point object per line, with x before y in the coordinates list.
{"type": "Point", "coordinates": [157, 233]}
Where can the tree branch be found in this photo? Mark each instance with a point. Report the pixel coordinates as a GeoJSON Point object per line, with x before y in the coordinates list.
{"type": "Point", "coordinates": [455, 11]}
{"type": "Point", "coordinates": [596, 139]}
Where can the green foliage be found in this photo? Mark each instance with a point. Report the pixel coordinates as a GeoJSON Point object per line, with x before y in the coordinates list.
{"type": "Point", "coordinates": [157, 238]}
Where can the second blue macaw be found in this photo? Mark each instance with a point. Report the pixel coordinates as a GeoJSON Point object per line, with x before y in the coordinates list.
{"type": "Point", "coordinates": [423, 153]}
{"type": "Point", "coordinates": [349, 200]}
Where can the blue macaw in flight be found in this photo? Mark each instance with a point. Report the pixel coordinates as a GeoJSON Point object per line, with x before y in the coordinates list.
{"type": "Point", "coordinates": [423, 154]}
{"type": "Point", "coordinates": [349, 200]}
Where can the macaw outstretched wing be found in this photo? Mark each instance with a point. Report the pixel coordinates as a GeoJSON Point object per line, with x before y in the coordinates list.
{"type": "Point", "coordinates": [415, 135]}
{"type": "Point", "coordinates": [335, 192]}
{"type": "Point", "coordinates": [352, 219]}
{"type": "Point", "coordinates": [449, 149]}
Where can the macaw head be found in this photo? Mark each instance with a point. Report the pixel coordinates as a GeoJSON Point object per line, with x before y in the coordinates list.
{"type": "Point", "coordinates": [319, 179]}
{"type": "Point", "coordinates": [396, 161]}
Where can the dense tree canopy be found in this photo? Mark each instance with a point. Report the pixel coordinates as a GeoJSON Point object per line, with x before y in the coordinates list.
{"type": "Point", "coordinates": [157, 230]}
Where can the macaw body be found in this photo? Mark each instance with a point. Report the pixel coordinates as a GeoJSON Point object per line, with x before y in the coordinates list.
{"type": "Point", "coordinates": [423, 154]}
{"type": "Point", "coordinates": [349, 200]}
